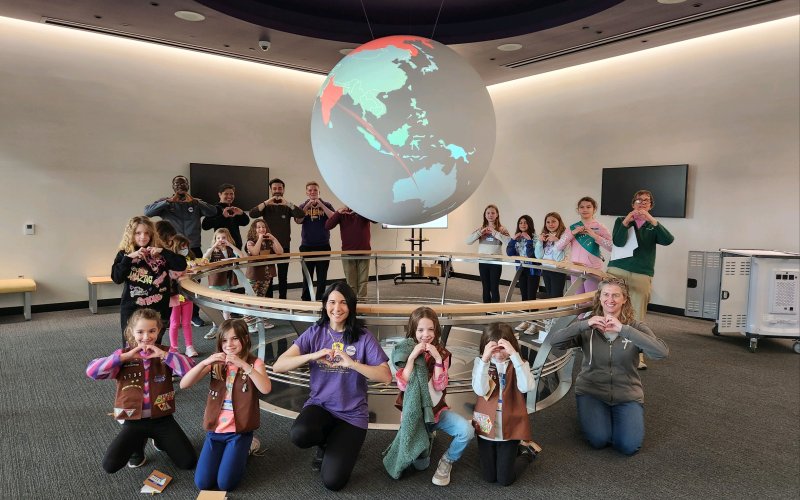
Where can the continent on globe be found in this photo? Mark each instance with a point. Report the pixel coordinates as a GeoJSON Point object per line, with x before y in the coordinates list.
{"type": "Point", "coordinates": [403, 130]}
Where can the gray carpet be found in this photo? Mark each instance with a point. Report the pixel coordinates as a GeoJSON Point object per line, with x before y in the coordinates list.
{"type": "Point", "coordinates": [721, 423]}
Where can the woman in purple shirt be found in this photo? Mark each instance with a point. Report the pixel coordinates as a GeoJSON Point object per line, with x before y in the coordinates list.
{"type": "Point", "coordinates": [341, 355]}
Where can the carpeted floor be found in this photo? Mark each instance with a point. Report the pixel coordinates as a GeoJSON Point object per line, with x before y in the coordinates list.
{"type": "Point", "coordinates": [721, 423]}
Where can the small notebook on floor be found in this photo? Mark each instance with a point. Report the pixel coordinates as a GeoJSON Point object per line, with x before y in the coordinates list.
{"type": "Point", "coordinates": [156, 482]}
{"type": "Point", "coordinates": [212, 495]}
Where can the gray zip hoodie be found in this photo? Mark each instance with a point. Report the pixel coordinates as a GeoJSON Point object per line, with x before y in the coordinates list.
{"type": "Point", "coordinates": [609, 368]}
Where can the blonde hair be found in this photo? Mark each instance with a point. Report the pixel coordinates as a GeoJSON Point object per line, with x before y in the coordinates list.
{"type": "Point", "coordinates": [497, 223]}
{"type": "Point", "coordinates": [128, 243]}
{"type": "Point", "coordinates": [626, 315]}
{"type": "Point", "coordinates": [146, 314]}
{"type": "Point", "coordinates": [223, 230]}
{"type": "Point", "coordinates": [180, 240]}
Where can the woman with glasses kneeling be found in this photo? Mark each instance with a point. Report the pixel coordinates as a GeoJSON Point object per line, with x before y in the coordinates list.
{"type": "Point", "coordinates": [608, 389]}
{"type": "Point", "coordinates": [341, 355]}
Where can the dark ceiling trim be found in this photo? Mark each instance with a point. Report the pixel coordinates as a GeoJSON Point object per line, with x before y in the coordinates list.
{"type": "Point", "coordinates": [176, 44]}
{"type": "Point", "coordinates": [449, 30]}
{"type": "Point", "coordinates": [649, 30]}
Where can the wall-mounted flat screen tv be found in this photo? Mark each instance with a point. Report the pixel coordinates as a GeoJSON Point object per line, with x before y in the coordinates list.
{"type": "Point", "coordinates": [250, 182]}
{"type": "Point", "coordinates": [668, 184]}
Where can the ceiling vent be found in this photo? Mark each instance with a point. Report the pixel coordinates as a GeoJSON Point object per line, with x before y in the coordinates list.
{"type": "Point", "coordinates": [638, 33]}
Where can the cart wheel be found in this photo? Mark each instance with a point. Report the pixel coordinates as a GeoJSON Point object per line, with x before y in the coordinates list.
{"type": "Point", "coordinates": [796, 346]}
{"type": "Point", "coordinates": [715, 330]}
{"type": "Point", "coordinates": [753, 345]}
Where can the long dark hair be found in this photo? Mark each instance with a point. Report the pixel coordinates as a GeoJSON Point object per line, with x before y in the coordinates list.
{"type": "Point", "coordinates": [531, 229]}
{"type": "Point", "coordinates": [352, 325]}
{"type": "Point", "coordinates": [495, 332]}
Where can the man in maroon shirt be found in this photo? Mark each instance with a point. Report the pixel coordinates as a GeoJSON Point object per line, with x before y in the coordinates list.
{"type": "Point", "coordinates": [355, 236]}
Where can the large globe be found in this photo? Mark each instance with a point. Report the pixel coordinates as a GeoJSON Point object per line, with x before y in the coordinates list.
{"type": "Point", "coordinates": [403, 130]}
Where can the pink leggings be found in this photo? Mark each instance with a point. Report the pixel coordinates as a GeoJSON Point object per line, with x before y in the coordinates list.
{"type": "Point", "coordinates": [181, 315]}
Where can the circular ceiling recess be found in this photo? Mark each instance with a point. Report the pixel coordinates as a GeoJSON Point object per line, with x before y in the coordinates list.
{"type": "Point", "coordinates": [458, 21]}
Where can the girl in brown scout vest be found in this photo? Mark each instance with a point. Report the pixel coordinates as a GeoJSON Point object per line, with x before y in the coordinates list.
{"type": "Point", "coordinates": [501, 378]}
{"type": "Point", "coordinates": [238, 378]}
{"type": "Point", "coordinates": [145, 397]}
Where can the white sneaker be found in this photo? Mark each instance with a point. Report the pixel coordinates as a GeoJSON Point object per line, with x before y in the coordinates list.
{"type": "Point", "coordinates": [267, 326]}
{"type": "Point", "coordinates": [442, 475]}
{"type": "Point", "coordinates": [531, 330]}
{"type": "Point", "coordinates": [212, 334]}
{"type": "Point", "coordinates": [522, 326]}
{"type": "Point", "coordinates": [191, 352]}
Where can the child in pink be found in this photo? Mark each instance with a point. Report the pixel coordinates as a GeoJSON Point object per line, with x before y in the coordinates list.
{"type": "Point", "coordinates": [181, 307]}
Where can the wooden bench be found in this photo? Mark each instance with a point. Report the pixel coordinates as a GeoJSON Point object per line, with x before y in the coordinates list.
{"type": "Point", "coordinates": [20, 285]}
{"type": "Point", "coordinates": [94, 281]}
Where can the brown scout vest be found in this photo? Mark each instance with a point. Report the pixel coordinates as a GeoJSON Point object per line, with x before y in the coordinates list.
{"type": "Point", "coordinates": [246, 413]}
{"type": "Point", "coordinates": [429, 363]}
{"type": "Point", "coordinates": [222, 279]}
{"type": "Point", "coordinates": [515, 413]}
{"type": "Point", "coordinates": [130, 389]}
{"type": "Point", "coordinates": [262, 273]}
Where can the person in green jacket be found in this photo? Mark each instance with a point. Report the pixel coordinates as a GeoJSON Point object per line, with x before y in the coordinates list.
{"type": "Point", "coordinates": [637, 270]}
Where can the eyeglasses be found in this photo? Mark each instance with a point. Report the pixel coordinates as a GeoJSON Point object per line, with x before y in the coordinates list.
{"type": "Point", "coordinates": [643, 201]}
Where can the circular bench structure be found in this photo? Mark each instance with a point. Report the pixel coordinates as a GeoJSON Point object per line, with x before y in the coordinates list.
{"type": "Point", "coordinates": [387, 318]}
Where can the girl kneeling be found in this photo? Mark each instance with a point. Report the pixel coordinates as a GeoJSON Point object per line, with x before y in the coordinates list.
{"type": "Point", "coordinates": [501, 378]}
{"type": "Point", "coordinates": [238, 378]}
{"type": "Point", "coordinates": [145, 397]}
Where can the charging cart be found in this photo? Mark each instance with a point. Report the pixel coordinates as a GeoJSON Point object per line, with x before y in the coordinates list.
{"type": "Point", "coordinates": [758, 293]}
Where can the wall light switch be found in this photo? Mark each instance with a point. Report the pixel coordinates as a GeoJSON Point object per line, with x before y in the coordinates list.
{"type": "Point", "coordinates": [30, 228]}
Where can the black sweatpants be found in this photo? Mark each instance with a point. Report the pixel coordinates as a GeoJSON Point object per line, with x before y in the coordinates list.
{"type": "Point", "coordinates": [165, 431]}
{"type": "Point", "coordinates": [315, 426]}
{"type": "Point", "coordinates": [283, 273]}
{"type": "Point", "coordinates": [321, 266]}
{"type": "Point", "coordinates": [499, 461]}
{"type": "Point", "coordinates": [554, 283]}
{"type": "Point", "coordinates": [528, 285]}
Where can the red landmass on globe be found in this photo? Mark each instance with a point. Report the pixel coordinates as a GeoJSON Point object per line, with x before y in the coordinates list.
{"type": "Point", "coordinates": [330, 96]}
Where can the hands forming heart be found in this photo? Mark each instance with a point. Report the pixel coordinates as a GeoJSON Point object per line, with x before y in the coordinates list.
{"type": "Point", "coordinates": [605, 323]}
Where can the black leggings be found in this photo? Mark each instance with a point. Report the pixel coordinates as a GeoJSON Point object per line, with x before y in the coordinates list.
{"type": "Point", "coordinates": [283, 272]}
{"type": "Point", "coordinates": [554, 283]}
{"type": "Point", "coordinates": [167, 434]}
{"type": "Point", "coordinates": [321, 267]}
{"type": "Point", "coordinates": [490, 279]}
{"type": "Point", "coordinates": [314, 426]}
{"type": "Point", "coordinates": [528, 285]}
{"type": "Point", "coordinates": [499, 461]}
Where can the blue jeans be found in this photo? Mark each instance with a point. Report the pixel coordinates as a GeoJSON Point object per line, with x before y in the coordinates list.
{"type": "Point", "coordinates": [222, 460]}
{"type": "Point", "coordinates": [620, 425]}
{"type": "Point", "coordinates": [460, 428]}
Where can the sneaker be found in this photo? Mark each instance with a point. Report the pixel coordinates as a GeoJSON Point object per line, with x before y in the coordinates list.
{"type": "Point", "coordinates": [191, 352]}
{"type": "Point", "coordinates": [136, 460]}
{"type": "Point", "coordinates": [442, 475]}
{"type": "Point", "coordinates": [316, 462]}
{"type": "Point", "coordinates": [255, 446]}
{"type": "Point", "coordinates": [642, 365]}
{"type": "Point", "coordinates": [212, 334]}
{"type": "Point", "coordinates": [198, 321]}
{"type": "Point", "coordinates": [267, 326]}
{"type": "Point", "coordinates": [529, 450]}
{"type": "Point", "coordinates": [531, 330]}
{"type": "Point", "coordinates": [522, 326]}
{"type": "Point", "coordinates": [155, 445]}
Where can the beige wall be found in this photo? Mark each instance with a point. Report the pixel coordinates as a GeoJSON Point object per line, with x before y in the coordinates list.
{"type": "Point", "coordinates": [94, 127]}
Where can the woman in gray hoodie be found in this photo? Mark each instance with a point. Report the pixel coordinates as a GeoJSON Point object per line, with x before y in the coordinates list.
{"type": "Point", "coordinates": [608, 389]}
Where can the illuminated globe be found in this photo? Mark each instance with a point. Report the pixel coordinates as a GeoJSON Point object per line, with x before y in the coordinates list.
{"type": "Point", "coordinates": [403, 130]}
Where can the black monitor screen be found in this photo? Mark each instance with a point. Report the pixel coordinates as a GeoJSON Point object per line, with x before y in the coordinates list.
{"type": "Point", "coordinates": [667, 183]}
{"type": "Point", "coordinates": [250, 183]}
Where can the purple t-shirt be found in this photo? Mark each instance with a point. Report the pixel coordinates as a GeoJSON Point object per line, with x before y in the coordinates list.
{"type": "Point", "coordinates": [341, 391]}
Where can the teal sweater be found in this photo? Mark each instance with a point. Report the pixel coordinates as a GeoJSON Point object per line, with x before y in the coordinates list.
{"type": "Point", "coordinates": [644, 257]}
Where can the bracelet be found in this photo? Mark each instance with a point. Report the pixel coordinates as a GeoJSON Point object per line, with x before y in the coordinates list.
{"type": "Point", "coordinates": [248, 372]}
{"type": "Point", "coordinates": [440, 365]}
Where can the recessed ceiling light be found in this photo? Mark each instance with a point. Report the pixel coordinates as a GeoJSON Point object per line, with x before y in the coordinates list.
{"type": "Point", "coordinates": [509, 47]}
{"type": "Point", "coordinates": [344, 52]}
{"type": "Point", "coordinates": [671, 1]}
{"type": "Point", "coordinates": [188, 15]}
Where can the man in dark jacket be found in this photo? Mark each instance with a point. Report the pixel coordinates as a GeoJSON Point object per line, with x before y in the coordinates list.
{"type": "Point", "coordinates": [228, 216]}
